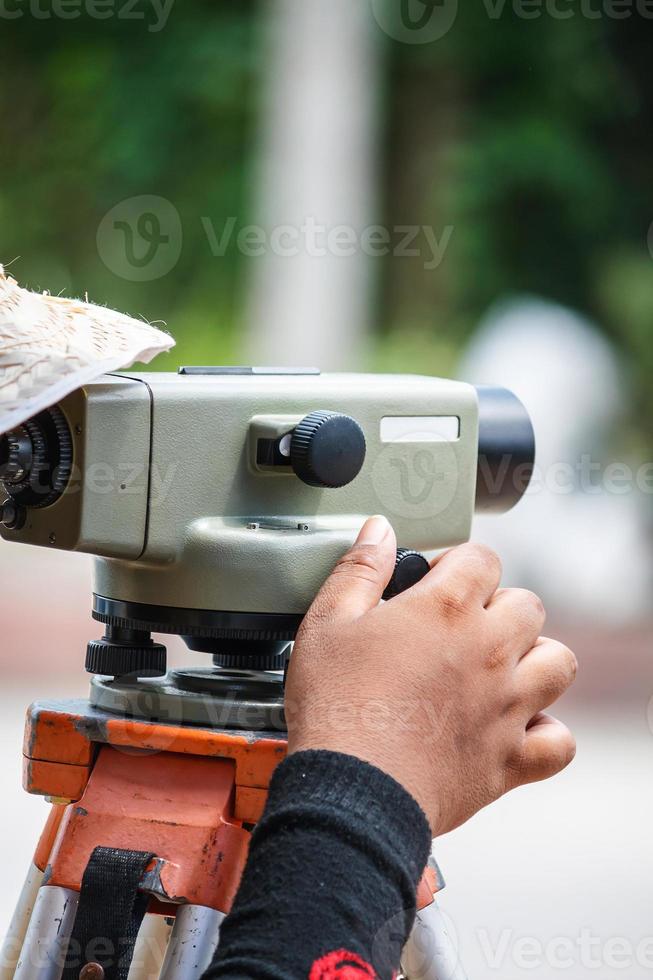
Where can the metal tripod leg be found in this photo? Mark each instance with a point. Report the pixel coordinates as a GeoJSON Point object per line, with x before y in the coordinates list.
{"type": "Point", "coordinates": [430, 953]}
{"type": "Point", "coordinates": [193, 942]}
{"type": "Point", "coordinates": [46, 939]}
{"type": "Point", "coordinates": [150, 949]}
{"type": "Point", "coordinates": [13, 942]}
{"type": "Point", "coordinates": [193, 792]}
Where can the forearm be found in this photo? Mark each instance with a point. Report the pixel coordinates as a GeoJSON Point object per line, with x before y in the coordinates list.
{"type": "Point", "coordinates": [334, 865]}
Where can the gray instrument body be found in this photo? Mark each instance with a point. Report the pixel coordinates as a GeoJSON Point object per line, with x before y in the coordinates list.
{"type": "Point", "coordinates": [167, 493]}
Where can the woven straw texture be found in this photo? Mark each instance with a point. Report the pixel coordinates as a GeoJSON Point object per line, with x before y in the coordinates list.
{"type": "Point", "coordinates": [49, 346]}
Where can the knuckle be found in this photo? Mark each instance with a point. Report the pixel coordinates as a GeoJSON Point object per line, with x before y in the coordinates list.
{"type": "Point", "coordinates": [523, 609]}
{"type": "Point", "coordinates": [533, 600]}
{"type": "Point", "coordinates": [480, 551]}
{"type": "Point", "coordinates": [496, 657]}
{"type": "Point", "coordinates": [572, 663]}
{"type": "Point", "coordinates": [360, 562]}
{"type": "Point", "coordinates": [565, 666]}
{"type": "Point", "coordinates": [485, 558]}
{"type": "Point", "coordinates": [453, 603]}
{"type": "Point", "coordinates": [531, 603]}
{"type": "Point", "coordinates": [555, 678]}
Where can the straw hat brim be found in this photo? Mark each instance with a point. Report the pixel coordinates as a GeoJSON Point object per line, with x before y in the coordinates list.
{"type": "Point", "coordinates": [50, 346]}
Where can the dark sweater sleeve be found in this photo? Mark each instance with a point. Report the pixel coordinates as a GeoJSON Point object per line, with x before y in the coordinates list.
{"type": "Point", "coordinates": [329, 886]}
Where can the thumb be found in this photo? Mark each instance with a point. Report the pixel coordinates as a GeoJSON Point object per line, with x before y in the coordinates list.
{"type": "Point", "coordinates": [357, 582]}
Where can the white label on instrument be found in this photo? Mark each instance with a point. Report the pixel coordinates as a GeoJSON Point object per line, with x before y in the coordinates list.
{"type": "Point", "coordinates": [420, 428]}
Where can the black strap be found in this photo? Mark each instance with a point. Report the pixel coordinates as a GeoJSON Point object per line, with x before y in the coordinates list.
{"type": "Point", "coordinates": [109, 914]}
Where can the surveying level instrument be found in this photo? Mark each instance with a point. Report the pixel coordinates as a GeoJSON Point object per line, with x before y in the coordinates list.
{"type": "Point", "coordinates": [215, 501]}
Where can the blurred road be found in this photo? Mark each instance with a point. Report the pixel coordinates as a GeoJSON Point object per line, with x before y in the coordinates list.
{"type": "Point", "coordinates": [554, 879]}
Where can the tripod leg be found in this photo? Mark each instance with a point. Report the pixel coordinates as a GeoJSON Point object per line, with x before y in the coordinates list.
{"type": "Point", "coordinates": [193, 942]}
{"type": "Point", "coordinates": [13, 941]}
{"type": "Point", "coordinates": [46, 940]}
{"type": "Point", "coordinates": [150, 949]}
{"type": "Point", "coordinates": [430, 953]}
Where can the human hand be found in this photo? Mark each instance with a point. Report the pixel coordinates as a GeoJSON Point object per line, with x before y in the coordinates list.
{"type": "Point", "coordinates": [442, 687]}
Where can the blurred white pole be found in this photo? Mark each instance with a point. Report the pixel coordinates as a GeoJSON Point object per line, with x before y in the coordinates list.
{"type": "Point", "coordinates": [317, 159]}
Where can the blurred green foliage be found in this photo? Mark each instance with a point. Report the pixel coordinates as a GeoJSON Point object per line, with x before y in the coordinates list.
{"type": "Point", "coordinates": [100, 111]}
{"type": "Point", "coordinates": [532, 138]}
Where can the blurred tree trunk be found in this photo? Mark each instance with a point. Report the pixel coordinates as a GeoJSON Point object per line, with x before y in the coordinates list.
{"type": "Point", "coordinates": [317, 171]}
{"type": "Point", "coordinates": [425, 120]}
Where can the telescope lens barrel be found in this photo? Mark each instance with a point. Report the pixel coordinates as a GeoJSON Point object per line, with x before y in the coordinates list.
{"type": "Point", "coordinates": [506, 450]}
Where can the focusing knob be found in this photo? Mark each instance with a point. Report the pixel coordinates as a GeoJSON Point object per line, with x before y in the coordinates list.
{"type": "Point", "coordinates": [410, 567]}
{"type": "Point", "coordinates": [327, 449]}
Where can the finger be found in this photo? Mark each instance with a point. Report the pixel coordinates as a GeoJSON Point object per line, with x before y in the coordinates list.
{"type": "Point", "coordinates": [518, 618]}
{"type": "Point", "coordinates": [544, 674]}
{"type": "Point", "coordinates": [548, 748]}
{"type": "Point", "coordinates": [467, 574]}
{"type": "Point", "coordinates": [440, 555]}
{"type": "Point", "coordinates": [357, 582]}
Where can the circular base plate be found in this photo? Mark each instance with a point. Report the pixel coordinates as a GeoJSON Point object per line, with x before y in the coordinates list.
{"type": "Point", "coordinates": [211, 698]}
{"type": "Point", "coordinates": [212, 624]}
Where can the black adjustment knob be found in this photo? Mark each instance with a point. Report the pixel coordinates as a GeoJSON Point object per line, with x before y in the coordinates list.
{"type": "Point", "coordinates": [410, 567]}
{"type": "Point", "coordinates": [124, 651]}
{"type": "Point", "coordinates": [16, 454]}
{"type": "Point", "coordinates": [327, 449]}
{"type": "Point", "coordinates": [12, 516]}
